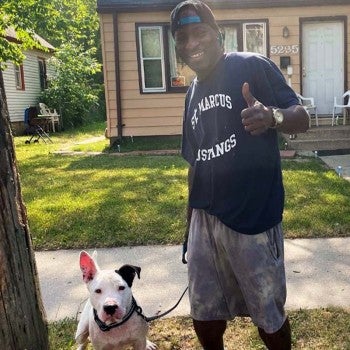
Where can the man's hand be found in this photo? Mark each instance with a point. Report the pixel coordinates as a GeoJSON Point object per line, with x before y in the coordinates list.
{"type": "Point", "coordinates": [256, 118]}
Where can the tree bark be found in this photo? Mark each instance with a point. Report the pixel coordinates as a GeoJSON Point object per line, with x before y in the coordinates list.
{"type": "Point", "coordinates": [22, 317]}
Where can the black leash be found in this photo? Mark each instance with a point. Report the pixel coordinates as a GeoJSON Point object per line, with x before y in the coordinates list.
{"type": "Point", "coordinates": [134, 308]}
{"type": "Point", "coordinates": [149, 319]}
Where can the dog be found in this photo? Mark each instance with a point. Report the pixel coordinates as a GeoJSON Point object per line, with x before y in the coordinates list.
{"type": "Point", "coordinates": [111, 318]}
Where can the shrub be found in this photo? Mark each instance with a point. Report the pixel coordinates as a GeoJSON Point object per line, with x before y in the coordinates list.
{"type": "Point", "coordinates": [73, 89]}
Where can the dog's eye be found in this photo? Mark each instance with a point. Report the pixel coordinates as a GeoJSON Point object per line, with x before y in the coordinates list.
{"type": "Point", "coordinates": [121, 288]}
{"type": "Point", "coordinates": [98, 291]}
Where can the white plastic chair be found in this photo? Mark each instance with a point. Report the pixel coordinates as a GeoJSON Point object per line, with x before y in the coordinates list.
{"type": "Point", "coordinates": [309, 105]}
{"type": "Point", "coordinates": [54, 117]}
{"type": "Point", "coordinates": [342, 107]}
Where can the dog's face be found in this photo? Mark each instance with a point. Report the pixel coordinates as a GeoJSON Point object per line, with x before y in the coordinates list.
{"type": "Point", "coordinates": [110, 291]}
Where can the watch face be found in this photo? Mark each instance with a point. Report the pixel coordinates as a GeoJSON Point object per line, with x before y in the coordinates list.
{"type": "Point", "coordinates": [278, 115]}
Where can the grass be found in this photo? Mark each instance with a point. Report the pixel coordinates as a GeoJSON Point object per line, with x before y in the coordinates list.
{"type": "Point", "coordinates": [316, 201]}
{"type": "Point", "coordinates": [94, 201]}
{"type": "Point", "coordinates": [319, 329]}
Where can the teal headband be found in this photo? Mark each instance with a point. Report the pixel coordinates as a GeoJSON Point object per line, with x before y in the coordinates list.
{"type": "Point", "coordinates": [188, 20]}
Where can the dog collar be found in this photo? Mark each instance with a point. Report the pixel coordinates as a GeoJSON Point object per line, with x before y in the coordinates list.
{"type": "Point", "coordinates": [107, 327]}
{"type": "Point", "coordinates": [134, 307]}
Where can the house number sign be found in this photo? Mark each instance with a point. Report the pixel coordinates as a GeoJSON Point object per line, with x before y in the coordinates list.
{"type": "Point", "coordinates": [284, 49]}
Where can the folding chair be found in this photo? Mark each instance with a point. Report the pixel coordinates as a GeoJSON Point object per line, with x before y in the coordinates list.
{"type": "Point", "coordinates": [342, 107]}
{"type": "Point", "coordinates": [35, 126]}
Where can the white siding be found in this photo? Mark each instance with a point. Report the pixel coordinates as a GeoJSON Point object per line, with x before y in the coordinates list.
{"type": "Point", "coordinates": [19, 100]}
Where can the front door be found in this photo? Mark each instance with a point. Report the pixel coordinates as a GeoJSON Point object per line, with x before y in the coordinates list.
{"type": "Point", "coordinates": [323, 63]}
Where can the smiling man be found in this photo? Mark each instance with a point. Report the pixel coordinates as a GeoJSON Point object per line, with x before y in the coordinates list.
{"type": "Point", "coordinates": [233, 110]}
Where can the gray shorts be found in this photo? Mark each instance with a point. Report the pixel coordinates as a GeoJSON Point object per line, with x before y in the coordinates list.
{"type": "Point", "coordinates": [233, 274]}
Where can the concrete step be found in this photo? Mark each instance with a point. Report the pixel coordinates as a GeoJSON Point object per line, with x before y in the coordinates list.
{"type": "Point", "coordinates": [317, 145]}
{"type": "Point", "coordinates": [326, 132]}
{"type": "Point", "coordinates": [321, 138]}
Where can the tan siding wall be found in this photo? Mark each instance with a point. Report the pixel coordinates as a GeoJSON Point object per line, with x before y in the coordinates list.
{"type": "Point", "coordinates": [143, 114]}
{"type": "Point", "coordinates": [108, 55]}
{"type": "Point", "coordinates": [280, 17]}
{"type": "Point", "coordinates": [159, 114]}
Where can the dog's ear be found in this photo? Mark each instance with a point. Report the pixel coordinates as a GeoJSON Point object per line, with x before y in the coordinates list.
{"type": "Point", "coordinates": [128, 273]}
{"type": "Point", "coordinates": [87, 267]}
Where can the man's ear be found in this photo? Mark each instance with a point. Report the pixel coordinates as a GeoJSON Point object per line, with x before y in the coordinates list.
{"type": "Point", "coordinates": [128, 273]}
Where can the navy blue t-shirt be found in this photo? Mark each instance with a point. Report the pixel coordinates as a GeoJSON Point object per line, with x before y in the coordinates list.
{"type": "Point", "coordinates": [237, 176]}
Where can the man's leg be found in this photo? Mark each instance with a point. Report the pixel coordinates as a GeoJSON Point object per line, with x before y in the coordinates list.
{"type": "Point", "coordinates": [280, 340]}
{"type": "Point", "coordinates": [210, 334]}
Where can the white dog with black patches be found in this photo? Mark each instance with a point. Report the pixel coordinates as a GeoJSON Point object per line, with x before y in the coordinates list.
{"type": "Point", "coordinates": [111, 318]}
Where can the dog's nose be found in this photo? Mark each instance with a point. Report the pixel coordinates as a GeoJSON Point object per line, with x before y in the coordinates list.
{"type": "Point", "coordinates": [110, 309]}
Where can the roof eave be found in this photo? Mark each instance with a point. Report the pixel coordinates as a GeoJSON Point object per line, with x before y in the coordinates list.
{"type": "Point", "coordinates": [125, 6]}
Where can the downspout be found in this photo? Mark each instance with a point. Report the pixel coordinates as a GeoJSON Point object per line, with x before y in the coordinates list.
{"type": "Point", "coordinates": [117, 77]}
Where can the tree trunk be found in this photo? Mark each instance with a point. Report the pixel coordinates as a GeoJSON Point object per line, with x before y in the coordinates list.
{"type": "Point", "coordinates": [22, 318]}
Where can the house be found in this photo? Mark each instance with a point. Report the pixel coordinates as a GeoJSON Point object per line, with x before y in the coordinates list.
{"type": "Point", "coordinates": [24, 83]}
{"type": "Point", "coordinates": [145, 83]}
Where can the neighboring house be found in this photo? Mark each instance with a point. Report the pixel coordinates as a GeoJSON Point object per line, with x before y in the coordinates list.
{"type": "Point", "coordinates": [24, 83]}
{"type": "Point", "coordinates": [145, 82]}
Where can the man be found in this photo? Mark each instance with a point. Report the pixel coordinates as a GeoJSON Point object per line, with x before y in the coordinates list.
{"type": "Point", "coordinates": [233, 110]}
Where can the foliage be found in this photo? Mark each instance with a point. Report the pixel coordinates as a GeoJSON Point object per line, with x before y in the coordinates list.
{"type": "Point", "coordinates": [76, 22]}
{"type": "Point", "coordinates": [73, 28]}
{"type": "Point", "coordinates": [71, 89]}
{"type": "Point", "coordinates": [22, 16]}
{"type": "Point", "coordinates": [58, 21]}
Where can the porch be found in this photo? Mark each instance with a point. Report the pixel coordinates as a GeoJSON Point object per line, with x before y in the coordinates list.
{"type": "Point", "coordinates": [321, 138]}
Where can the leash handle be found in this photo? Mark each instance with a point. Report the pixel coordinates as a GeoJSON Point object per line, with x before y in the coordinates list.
{"type": "Point", "coordinates": [184, 251]}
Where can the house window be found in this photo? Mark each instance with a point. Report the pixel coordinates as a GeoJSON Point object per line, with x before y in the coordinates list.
{"type": "Point", "coordinates": [42, 73]}
{"type": "Point", "coordinates": [230, 37]}
{"type": "Point", "coordinates": [19, 77]}
{"type": "Point", "coordinates": [245, 37]}
{"type": "Point", "coordinates": [254, 35]}
{"type": "Point", "coordinates": [152, 58]}
{"type": "Point", "coordinates": [162, 70]}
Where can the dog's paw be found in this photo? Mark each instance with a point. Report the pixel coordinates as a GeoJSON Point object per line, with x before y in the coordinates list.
{"type": "Point", "coordinates": [150, 346]}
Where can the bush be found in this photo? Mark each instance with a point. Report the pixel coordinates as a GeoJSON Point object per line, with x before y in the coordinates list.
{"type": "Point", "coordinates": [73, 89]}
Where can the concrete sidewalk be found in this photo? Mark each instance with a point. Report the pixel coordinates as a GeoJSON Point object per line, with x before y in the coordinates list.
{"type": "Point", "coordinates": [318, 275]}
{"type": "Point", "coordinates": [336, 161]}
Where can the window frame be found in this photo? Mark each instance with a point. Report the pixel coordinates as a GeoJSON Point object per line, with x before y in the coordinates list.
{"type": "Point", "coordinates": [19, 77]}
{"type": "Point", "coordinates": [244, 32]}
{"type": "Point", "coordinates": [240, 24]}
{"type": "Point", "coordinates": [141, 60]}
{"type": "Point", "coordinates": [165, 61]}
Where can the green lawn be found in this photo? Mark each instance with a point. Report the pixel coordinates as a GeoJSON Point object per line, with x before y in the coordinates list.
{"type": "Point", "coordinates": [320, 329]}
{"type": "Point", "coordinates": [107, 200]}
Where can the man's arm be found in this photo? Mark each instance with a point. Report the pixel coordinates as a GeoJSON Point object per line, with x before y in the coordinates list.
{"type": "Point", "coordinates": [258, 118]}
{"type": "Point", "coordinates": [295, 120]}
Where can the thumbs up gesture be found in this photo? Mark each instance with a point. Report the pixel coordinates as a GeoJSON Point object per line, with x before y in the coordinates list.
{"type": "Point", "coordinates": [257, 118]}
